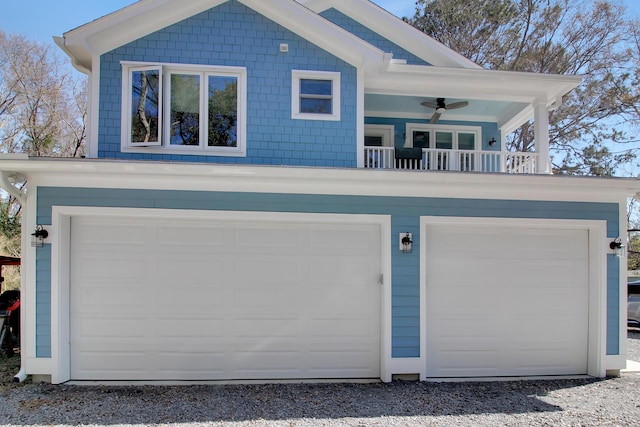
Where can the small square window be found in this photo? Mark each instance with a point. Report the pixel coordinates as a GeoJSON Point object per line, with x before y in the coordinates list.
{"type": "Point", "coordinates": [315, 95]}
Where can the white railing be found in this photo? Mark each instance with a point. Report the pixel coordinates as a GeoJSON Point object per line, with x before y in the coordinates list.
{"type": "Point", "coordinates": [454, 160]}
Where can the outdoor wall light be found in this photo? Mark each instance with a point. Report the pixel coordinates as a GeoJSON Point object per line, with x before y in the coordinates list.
{"type": "Point", "coordinates": [37, 237]}
{"type": "Point", "coordinates": [492, 142]}
{"type": "Point", "coordinates": [406, 243]}
{"type": "Point", "coordinates": [617, 247]}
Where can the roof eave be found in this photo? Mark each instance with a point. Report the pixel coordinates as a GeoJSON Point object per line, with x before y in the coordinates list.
{"type": "Point", "coordinates": [126, 25]}
{"type": "Point", "coordinates": [396, 30]}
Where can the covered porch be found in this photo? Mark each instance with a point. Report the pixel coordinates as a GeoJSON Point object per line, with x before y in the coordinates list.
{"type": "Point", "coordinates": [433, 118]}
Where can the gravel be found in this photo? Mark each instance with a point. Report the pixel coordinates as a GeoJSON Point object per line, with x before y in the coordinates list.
{"type": "Point", "coordinates": [633, 346]}
{"type": "Point", "coordinates": [578, 402]}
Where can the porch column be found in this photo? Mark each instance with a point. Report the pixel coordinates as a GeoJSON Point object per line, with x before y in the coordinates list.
{"type": "Point", "coordinates": [541, 132]}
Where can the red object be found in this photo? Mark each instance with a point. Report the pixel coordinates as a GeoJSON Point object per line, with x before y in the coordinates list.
{"type": "Point", "coordinates": [14, 306]}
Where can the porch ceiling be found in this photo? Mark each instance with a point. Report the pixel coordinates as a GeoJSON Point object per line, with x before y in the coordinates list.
{"type": "Point", "coordinates": [406, 106]}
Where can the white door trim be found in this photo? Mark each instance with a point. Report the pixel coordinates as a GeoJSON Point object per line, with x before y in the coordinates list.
{"type": "Point", "coordinates": [598, 249]}
{"type": "Point", "coordinates": [60, 271]}
{"type": "Point", "coordinates": [386, 132]}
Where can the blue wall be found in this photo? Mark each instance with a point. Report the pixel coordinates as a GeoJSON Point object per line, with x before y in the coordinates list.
{"type": "Point", "coordinates": [234, 35]}
{"type": "Point", "coordinates": [489, 130]}
{"type": "Point", "coordinates": [375, 39]}
{"type": "Point", "coordinates": [405, 212]}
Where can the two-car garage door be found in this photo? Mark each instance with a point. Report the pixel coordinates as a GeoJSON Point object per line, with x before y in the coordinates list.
{"type": "Point", "coordinates": [506, 300]}
{"type": "Point", "coordinates": [175, 299]}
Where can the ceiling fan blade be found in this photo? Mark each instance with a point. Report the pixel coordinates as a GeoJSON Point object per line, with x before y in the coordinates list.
{"type": "Point", "coordinates": [429, 104]}
{"type": "Point", "coordinates": [435, 118]}
{"type": "Point", "coordinates": [455, 105]}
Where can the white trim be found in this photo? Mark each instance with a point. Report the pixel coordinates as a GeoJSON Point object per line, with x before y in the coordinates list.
{"type": "Point", "coordinates": [386, 132]}
{"type": "Point", "coordinates": [60, 278]}
{"type": "Point", "coordinates": [93, 103]}
{"type": "Point", "coordinates": [125, 119]}
{"type": "Point", "coordinates": [85, 173]}
{"type": "Point", "coordinates": [145, 17]}
{"type": "Point", "coordinates": [360, 115]}
{"type": "Point", "coordinates": [454, 129]}
{"type": "Point", "coordinates": [394, 29]}
{"type": "Point", "coordinates": [622, 326]}
{"type": "Point", "coordinates": [336, 100]}
{"type": "Point", "coordinates": [597, 275]}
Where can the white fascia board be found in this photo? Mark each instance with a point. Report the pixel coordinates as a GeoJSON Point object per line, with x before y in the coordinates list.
{"type": "Point", "coordinates": [394, 29]}
{"type": "Point", "coordinates": [321, 32]}
{"type": "Point", "coordinates": [485, 84]}
{"type": "Point", "coordinates": [128, 24]}
{"type": "Point", "coordinates": [86, 173]}
{"type": "Point", "coordinates": [147, 16]}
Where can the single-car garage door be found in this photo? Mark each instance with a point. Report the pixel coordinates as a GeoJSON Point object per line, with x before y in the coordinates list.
{"type": "Point", "coordinates": [169, 299]}
{"type": "Point", "coordinates": [506, 300]}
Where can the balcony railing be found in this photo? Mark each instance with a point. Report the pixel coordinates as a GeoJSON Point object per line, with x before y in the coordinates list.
{"type": "Point", "coordinates": [453, 160]}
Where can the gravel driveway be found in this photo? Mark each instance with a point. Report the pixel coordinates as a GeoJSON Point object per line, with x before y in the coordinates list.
{"type": "Point", "coordinates": [584, 402]}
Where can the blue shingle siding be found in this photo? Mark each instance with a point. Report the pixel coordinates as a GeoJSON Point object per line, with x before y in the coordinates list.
{"type": "Point", "coordinates": [43, 301]}
{"type": "Point", "coordinates": [234, 35]}
{"type": "Point", "coordinates": [613, 304]}
{"type": "Point", "coordinates": [404, 211]}
{"type": "Point", "coordinates": [371, 37]}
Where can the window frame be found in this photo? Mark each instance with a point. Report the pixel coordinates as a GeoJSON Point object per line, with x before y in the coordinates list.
{"type": "Point", "coordinates": [127, 79]}
{"type": "Point", "coordinates": [164, 146]}
{"type": "Point", "coordinates": [296, 79]}
{"type": "Point", "coordinates": [453, 129]}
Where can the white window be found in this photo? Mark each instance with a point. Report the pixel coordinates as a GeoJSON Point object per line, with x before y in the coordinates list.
{"type": "Point", "coordinates": [439, 141]}
{"type": "Point", "coordinates": [184, 109]}
{"type": "Point", "coordinates": [315, 95]}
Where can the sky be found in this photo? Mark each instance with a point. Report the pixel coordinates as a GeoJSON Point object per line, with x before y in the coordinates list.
{"type": "Point", "coordinates": [42, 19]}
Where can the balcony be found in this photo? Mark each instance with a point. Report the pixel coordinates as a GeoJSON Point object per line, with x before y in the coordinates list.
{"type": "Point", "coordinates": [431, 159]}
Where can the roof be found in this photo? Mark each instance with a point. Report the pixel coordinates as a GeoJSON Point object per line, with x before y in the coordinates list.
{"type": "Point", "coordinates": [395, 29]}
{"type": "Point", "coordinates": [508, 97]}
{"type": "Point", "coordinates": [146, 16]}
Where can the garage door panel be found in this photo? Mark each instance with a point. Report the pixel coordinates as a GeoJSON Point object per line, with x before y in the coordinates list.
{"type": "Point", "coordinates": [190, 236]}
{"type": "Point", "coordinates": [201, 268]}
{"type": "Point", "coordinates": [225, 300]}
{"type": "Point", "coordinates": [270, 267]}
{"type": "Point", "coordinates": [131, 235]}
{"type": "Point", "coordinates": [506, 301]}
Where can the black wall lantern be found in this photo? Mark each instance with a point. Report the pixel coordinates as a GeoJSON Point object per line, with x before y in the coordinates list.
{"type": "Point", "coordinates": [37, 237]}
{"type": "Point", "coordinates": [492, 142]}
{"type": "Point", "coordinates": [617, 247]}
{"type": "Point", "coordinates": [406, 243]}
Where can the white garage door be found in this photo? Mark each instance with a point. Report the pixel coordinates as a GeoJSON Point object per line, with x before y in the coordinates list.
{"type": "Point", "coordinates": [506, 301]}
{"type": "Point", "coordinates": [209, 300]}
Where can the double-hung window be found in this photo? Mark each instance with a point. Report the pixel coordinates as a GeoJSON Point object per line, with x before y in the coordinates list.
{"type": "Point", "coordinates": [315, 95]}
{"type": "Point", "coordinates": [184, 109]}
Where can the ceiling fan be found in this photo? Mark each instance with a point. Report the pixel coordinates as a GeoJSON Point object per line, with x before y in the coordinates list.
{"type": "Point", "coordinates": [440, 106]}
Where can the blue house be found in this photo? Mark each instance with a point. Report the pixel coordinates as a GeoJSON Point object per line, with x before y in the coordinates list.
{"type": "Point", "coordinates": [310, 190]}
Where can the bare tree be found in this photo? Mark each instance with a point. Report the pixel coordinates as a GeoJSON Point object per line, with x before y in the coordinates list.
{"type": "Point", "coordinates": [42, 107]}
{"type": "Point", "coordinates": [42, 112]}
{"type": "Point", "coordinates": [587, 132]}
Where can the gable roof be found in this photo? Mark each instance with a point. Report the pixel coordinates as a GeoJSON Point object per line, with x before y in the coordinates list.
{"type": "Point", "coordinates": [146, 16]}
{"type": "Point", "coordinates": [449, 75]}
{"type": "Point", "coordinates": [396, 30]}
